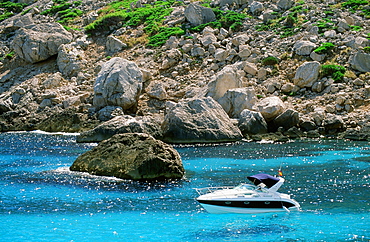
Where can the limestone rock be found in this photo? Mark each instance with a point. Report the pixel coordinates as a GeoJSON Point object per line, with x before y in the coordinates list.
{"type": "Point", "coordinates": [250, 68]}
{"type": "Point", "coordinates": [307, 74]}
{"type": "Point", "coordinates": [333, 123]}
{"type": "Point", "coordinates": [285, 4]}
{"type": "Point", "coordinates": [270, 107]}
{"type": "Point", "coordinates": [119, 83]}
{"type": "Point", "coordinates": [198, 15]}
{"type": "Point", "coordinates": [157, 90]}
{"type": "Point", "coordinates": [256, 8]}
{"type": "Point", "coordinates": [236, 100]}
{"type": "Point", "coordinates": [227, 78]}
{"type": "Point", "coordinates": [361, 61]}
{"type": "Point", "coordinates": [251, 123]}
{"type": "Point", "coordinates": [131, 156]}
{"type": "Point", "coordinates": [287, 119]}
{"type": "Point", "coordinates": [39, 42]}
{"type": "Point", "coordinates": [109, 112]}
{"type": "Point", "coordinates": [302, 47]}
{"type": "Point", "coordinates": [70, 60]}
{"type": "Point", "coordinates": [113, 44]}
{"type": "Point", "coordinates": [123, 124]}
{"type": "Point", "coordinates": [198, 121]}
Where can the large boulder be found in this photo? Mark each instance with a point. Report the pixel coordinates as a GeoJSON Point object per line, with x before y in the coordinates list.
{"type": "Point", "coordinates": [200, 120]}
{"type": "Point", "coordinates": [119, 83]}
{"type": "Point", "coordinates": [70, 59]}
{"type": "Point", "coordinates": [361, 61]}
{"type": "Point", "coordinates": [197, 15]}
{"type": "Point", "coordinates": [131, 156]}
{"type": "Point", "coordinates": [227, 78]}
{"type": "Point", "coordinates": [287, 119]}
{"type": "Point", "coordinates": [307, 74]}
{"type": "Point", "coordinates": [303, 47]}
{"type": "Point", "coordinates": [236, 100]}
{"type": "Point", "coordinates": [270, 107]}
{"type": "Point", "coordinates": [251, 123]}
{"type": "Point", "coordinates": [121, 125]}
{"type": "Point", "coordinates": [36, 43]}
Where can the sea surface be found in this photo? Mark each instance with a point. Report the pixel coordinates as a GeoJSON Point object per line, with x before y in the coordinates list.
{"type": "Point", "coordinates": [41, 200]}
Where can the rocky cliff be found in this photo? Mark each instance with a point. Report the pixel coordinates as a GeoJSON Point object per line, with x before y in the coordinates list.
{"type": "Point", "coordinates": [204, 71]}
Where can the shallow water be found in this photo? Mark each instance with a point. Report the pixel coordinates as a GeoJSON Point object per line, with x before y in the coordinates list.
{"type": "Point", "coordinates": [41, 200]}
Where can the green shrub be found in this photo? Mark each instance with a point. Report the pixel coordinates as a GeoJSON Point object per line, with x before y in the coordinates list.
{"type": "Point", "coordinates": [163, 35]}
{"type": "Point", "coordinates": [270, 61]}
{"type": "Point", "coordinates": [355, 27]}
{"type": "Point", "coordinates": [335, 71]}
{"type": "Point", "coordinates": [287, 25]}
{"type": "Point", "coordinates": [367, 49]}
{"type": "Point", "coordinates": [9, 9]}
{"type": "Point", "coordinates": [325, 48]}
{"type": "Point", "coordinates": [224, 19]}
{"type": "Point", "coordinates": [65, 10]}
{"type": "Point", "coordinates": [354, 5]}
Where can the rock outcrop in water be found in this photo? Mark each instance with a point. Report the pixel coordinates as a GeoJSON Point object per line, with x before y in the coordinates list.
{"type": "Point", "coordinates": [131, 156]}
{"type": "Point", "coordinates": [301, 65]}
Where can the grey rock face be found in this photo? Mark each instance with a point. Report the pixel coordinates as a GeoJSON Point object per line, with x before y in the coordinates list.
{"type": "Point", "coordinates": [251, 123]}
{"type": "Point", "coordinates": [36, 43]}
{"type": "Point", "coordinates": [121, 125]}
{"type": "Point", "coordinates": [119, 83]}
{"type": "Point", "coordinates": [198, 15]}
{"type": "Point", "coordinates": [270, 107]}
{"type": "Point", "coordinates": [198, 121]}
{"type": "Point", "coordinates": [307, 74]}
{"type": "Point", "coordinates": [287, 119]}
{"type": "Point", "coordinates": [361, 61]}
{"type": "Point", "coordinates": [131, 156]}
{"type": "Point", "coordinates": [236, 100]}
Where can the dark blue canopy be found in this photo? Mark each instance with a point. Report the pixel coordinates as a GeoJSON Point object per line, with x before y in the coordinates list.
{"type": "Point", "coordinates": [266, 179]}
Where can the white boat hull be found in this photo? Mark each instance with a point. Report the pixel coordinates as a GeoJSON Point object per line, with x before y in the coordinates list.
{"type": "Point", "coordinates": [223, 209]}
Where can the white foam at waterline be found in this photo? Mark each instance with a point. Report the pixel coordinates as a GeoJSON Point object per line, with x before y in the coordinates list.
{"type": "Point", "coordinates": [43, 132]}
{"type": "Point", "coordinates": [52, 133]}
{"type": "Point", "coordinates": [66, 170]}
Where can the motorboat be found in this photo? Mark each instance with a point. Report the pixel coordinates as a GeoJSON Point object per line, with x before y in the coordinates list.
{"type": "Point", "coordinates": [261, 197]}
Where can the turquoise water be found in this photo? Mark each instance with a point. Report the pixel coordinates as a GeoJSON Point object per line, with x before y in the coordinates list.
{"type": "Point", "coordinates": [41, 200]}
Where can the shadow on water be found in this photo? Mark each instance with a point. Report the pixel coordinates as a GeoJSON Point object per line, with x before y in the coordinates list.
{"type": "Point", "coordinates": [243, 228]}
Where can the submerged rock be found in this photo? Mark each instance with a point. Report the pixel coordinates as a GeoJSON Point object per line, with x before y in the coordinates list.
{"type": "Point", "coordinates": [133, 156]}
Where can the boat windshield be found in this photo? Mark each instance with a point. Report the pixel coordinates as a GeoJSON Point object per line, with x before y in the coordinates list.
{"type": "Point", "coordinates": [246, 187]}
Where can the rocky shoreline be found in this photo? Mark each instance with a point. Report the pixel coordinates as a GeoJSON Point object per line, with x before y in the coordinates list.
{"type": "Point", "coordinates": [214, 85]}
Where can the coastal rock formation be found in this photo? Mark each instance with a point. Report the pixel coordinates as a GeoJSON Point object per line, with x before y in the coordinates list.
{"type": "Point", "coordinates": [306, 53]}
{"type": "Point", "coordinates": [38, 42]}
{"type": "Point", "coordinates": [119, 83]}
{"type": "Point", "coordinates": [123, 124]}
{"type": "Point", "coordinates": [131, 156]}
{"type": "Point", "coordinates": [200, 120]}
{"type": "Point", "coordinates": [227, 78]}
{"type": "Point", "coordinates": [289, 118]}
{"type": "Point", "coordinates": [251, 123]}
{"type": "Point", "coordinates": [270, 107]}
{"type": "Point", "coordinates": [70, 60]}
{"type": "Point", "coordinates": [234, 101]}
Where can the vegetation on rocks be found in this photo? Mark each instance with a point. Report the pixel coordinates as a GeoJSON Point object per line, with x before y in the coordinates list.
{"type": "Point", "coordinates": [335, 71]}
{"type": "Point", "coordinates": [312, 55]}
{"type": "Point", "coordinates": [325, 48]}
{"type": "Point", "coordinates": [9, 9]}
{"type": "Point", "coordinates": [66, 11]}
